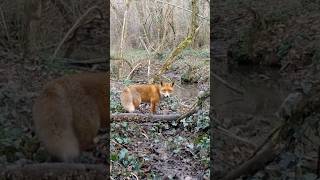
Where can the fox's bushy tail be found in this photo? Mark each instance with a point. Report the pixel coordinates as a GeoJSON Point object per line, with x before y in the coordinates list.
{"type": "Point", "coordinates": [54, 125]}
{"type": "Point", "coordinates": [126, 99]}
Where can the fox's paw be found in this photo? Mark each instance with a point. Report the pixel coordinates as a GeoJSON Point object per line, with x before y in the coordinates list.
{"type": "Point", "coordinates": [136, 111]}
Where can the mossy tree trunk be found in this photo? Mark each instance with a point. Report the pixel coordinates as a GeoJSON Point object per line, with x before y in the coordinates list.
{"type": "Point", "coordinates": [32, 15]}
{"type": "Point", "coordinates": [184, 44]}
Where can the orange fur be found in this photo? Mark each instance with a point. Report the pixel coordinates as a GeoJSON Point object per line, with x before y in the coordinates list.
{"type": "Point", "coordinates": [132, 96]}
{"type": "Point", "coordinates": [69, 112]}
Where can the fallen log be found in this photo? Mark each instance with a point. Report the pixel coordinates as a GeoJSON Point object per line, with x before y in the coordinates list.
{"type": "Point", "coordinates": [141, 118]}
{"type": "Point", "coordinates": [294, 110]}
{"type": "Point", "coordinates": [54, 171]}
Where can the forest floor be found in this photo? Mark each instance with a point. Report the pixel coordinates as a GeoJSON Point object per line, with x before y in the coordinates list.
{"type": "Point", "coordinates": [164, 149]}
{"type": "Point", "coordinates": [169, 150]}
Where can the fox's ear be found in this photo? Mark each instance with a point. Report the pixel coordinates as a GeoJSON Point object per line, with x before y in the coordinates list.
{"type": "Point", "coordinates": [161, 83]}
{"type": "Point", "coordinates": [172, 83]}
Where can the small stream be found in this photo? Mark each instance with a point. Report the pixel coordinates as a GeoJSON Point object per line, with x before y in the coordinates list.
{"type": "Point", "coordinates": [264, 90]}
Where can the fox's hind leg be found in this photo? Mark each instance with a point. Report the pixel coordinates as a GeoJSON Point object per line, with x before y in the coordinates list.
{"type": "Point", "coordinates": [53, 122]}
{"type": "Point", "coordinates": [136, 100]}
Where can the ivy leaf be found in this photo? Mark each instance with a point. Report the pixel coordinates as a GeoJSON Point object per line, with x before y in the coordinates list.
{"type": "Point", "coordinates": [122, 154]}
{"type": "Point", "coordinates": [113, 157]}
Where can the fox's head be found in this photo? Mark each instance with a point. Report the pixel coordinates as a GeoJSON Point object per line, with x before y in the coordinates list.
{"type": "Point", "coordinates": [166, 88]}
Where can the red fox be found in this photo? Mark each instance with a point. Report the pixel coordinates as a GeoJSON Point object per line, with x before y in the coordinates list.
{"type": "Point", "coordinates": [132, 96]}
{"type": "Point", "coordinates": [69, 112]}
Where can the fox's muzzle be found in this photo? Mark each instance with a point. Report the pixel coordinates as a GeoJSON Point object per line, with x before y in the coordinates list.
{"type": "Point", "coordinates": [166, 94]}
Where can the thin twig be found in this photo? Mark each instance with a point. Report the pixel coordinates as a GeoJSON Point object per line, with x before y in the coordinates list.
{"type": "Point", "coordinates": [145, 32]}
{"type": "Point", "coordinates": [164, 33]}
{"type": "Point", "coordinates": [172, 57]}
{"type": "Point", "coordinates": [123, 30]}
{"type": "Point", "coordinates": [192, 110]}
{"type": "Point", "coordinates": [182, 9]}
{"type": "Point", "coordinates": [149, 64]}
{"type": "Point", "coordinates": [116, 12]}
{"type": "Point", "coordinates": [76, 25]}
{"type": "Point", "coordinates": [227, 84]}
{"type": "Point", "coordinates": [135, 176]}
{"type": "Point", "coordinates": [275, 130]}
{"type": "Point", "coordinates": [226, 132]}
{"type": "Point", "coordinates": [4, 24]}
{"type": "Point", "coordinates": [121, 59]}
{"type": "Point", "coordinates": [124, 22]}
{"type": "Point", "coordinates": [133, 70]}
{"type": "Point", "coordinates": [149, 59]}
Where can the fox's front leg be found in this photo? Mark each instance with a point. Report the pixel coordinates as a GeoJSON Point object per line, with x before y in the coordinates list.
{"type": "Point", "coordinates": [153, 106]}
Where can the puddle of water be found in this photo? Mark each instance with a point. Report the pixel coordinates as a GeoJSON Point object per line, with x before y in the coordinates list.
{"type": "Point", "coordinates": [186, 92]}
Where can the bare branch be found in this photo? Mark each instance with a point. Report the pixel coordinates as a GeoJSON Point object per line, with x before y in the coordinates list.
{"type": "Point", "coordinates": [188, 10]}
{"type": "Point", "coordinates": [76, 24]}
